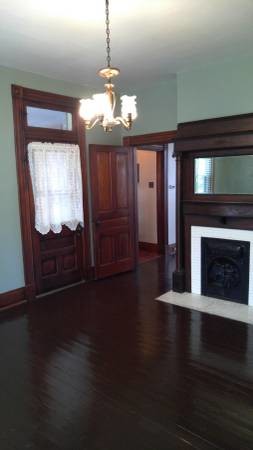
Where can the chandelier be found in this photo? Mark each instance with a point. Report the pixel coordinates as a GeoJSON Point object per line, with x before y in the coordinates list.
{"type": "Point", "coordinates": [100, 108]}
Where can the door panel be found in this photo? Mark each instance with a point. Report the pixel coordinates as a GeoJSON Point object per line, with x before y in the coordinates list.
{"type": "Point", "coordinates": [59, 259]}
{"type": "Point", "coordinates": [113, 198]}
{"type": "Point", "coordinates": [105, 195]}
{"type": "Point", "coordinates": [121, 174]}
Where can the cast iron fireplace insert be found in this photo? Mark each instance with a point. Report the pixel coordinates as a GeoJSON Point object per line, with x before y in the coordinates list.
{"type": "Point", "coordinates": [225, 269]}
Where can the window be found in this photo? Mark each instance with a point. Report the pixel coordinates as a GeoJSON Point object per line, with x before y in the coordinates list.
{"type": "Point", "coordinates": [48, 118]}
{"type": "Point", "coordinates": [203, 174]}
{"type": "Point", "coordinates": [57, 186]}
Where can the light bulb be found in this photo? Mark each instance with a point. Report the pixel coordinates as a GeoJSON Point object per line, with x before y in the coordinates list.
{"type": "Point", "coordinates": [128, 106]}
{"type": "Point", "coordinates": [87, 109]}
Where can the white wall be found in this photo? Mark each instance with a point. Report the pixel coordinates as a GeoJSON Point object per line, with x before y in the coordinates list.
{"type": "Point", "coordinates": [171, 195]}
{"type": "Point", "coordinates": [147, 202]}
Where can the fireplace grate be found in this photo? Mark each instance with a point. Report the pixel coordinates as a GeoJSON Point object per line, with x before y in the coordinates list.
{"type": "Point", "coordinates": [225, 269]}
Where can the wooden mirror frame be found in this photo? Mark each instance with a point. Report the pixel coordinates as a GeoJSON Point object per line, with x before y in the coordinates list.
{"type": "Point", "coordinates": [221, 136]}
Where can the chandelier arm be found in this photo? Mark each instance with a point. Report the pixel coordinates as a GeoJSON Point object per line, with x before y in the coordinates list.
{"type": "Point", "coordinates": [113, 101]}
{"type": "Point", "coordinates": [89, 125]}
{"type": "Point", "coordinates": [127, 123]}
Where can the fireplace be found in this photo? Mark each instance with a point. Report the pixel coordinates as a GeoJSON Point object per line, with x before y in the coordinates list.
{"type": "Point", "coordinates": [225, 269]}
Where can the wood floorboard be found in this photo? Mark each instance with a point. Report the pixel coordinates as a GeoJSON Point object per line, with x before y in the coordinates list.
{"type": "Point", "coordinates": [103, 366]}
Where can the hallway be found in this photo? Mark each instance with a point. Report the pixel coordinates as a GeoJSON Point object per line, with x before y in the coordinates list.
{"type": "Point", "coordinates": [103, 366]}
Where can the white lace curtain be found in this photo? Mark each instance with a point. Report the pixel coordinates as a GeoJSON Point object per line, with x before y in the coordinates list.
{"type": "Point", "coordinates": [57, 186]}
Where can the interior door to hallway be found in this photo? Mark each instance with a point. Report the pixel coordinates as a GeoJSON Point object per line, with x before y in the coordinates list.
{"type": "Point", "coordinates": [114, 209]}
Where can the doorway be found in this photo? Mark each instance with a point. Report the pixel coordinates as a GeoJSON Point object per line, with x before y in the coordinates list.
{"type": "Point", "coordinates": [149, 193]}
{"type": "Point", "coordinates": [51, 170]}
{"type": "Point", "coordinates": [163, 144]}
{"type": "Point", "coordinates": [156, 172]}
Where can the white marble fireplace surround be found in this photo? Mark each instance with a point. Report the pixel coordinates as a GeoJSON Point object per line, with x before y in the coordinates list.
{"type": "Point", "coordinates": [222, 233]}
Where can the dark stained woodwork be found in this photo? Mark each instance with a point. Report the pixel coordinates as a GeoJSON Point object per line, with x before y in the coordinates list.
{"type": "Point", "coordinates": [152, 147]}
{"type": "Point", "coordinates": [179, 274]}
{"type": "Point", "coordinates": [242, 123]}
{"type": "Point", "coordinates": [103, 366]}
{"type": "Point", "coordinates": [59, 259]}
{"type": "Point", "coordinates": [220, 133]}
{"type": "Point", "coordinates": [24, 198]}
{"type": "Point", "coordinates": [162, 199]}
{"type": "Point", "coordinates": [149, 247]}
{"type": "Point", "coordinates": [162, 137]}
{"type": "Point", "coordinates": [50, 261]}
{"type": "Point", "coordinates": [214, 137]}
{"type": "Point", "coordinates": [13, 297]}
{"type": "Point", "coordinates": [113, 201]}
{"type": "Point", "coordinates": [219, 142]}
{"type": "Point", "coordinates": [157, 142]}
{"type": "Point", "coordinates": [222, 210]}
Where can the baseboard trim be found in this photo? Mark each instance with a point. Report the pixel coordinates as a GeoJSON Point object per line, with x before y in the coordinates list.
{"type": "Point", "coordinates": [149, 247]}
{"type": "Point", "coordinates": [12, 298]}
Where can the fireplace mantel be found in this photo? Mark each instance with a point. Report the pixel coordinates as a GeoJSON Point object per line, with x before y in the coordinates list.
{"type": "Point", "coordinates": [225, 136]}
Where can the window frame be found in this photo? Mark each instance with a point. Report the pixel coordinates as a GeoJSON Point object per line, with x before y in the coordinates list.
{"type": "Point", "coordinates": [47, 109]}
{"type": "Point", "coordinates": [54, 134]}
{"type": "Point", "coordinates": [188, 185]}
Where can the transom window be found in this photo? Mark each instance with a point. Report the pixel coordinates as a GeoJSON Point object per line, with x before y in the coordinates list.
{"type": "Point", "coordinates": [48, 118]}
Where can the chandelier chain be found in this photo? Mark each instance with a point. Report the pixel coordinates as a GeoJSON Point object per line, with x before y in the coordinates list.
{"type": "Point", "coordinates": [100, 108]}
{"type": "Point", "coordinates": [107, 23]}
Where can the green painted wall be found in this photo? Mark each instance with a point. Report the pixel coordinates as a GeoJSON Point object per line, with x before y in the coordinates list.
{"type": "Point", "coordinates": [11, 264]}
{"type": "Point", "coordinates": [157, 107]}
{"type": "Point", "coordinates": [215, 90]}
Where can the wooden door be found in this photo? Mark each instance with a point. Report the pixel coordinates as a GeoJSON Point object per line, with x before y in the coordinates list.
{"type": "Point", "coordinates": [58, 259]}
{"type": "Point", "coordinates": [53, 260]}
{"type": "Point", "coordinates": [113, 200]}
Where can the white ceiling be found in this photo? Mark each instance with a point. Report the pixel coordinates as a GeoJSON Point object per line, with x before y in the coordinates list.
{"type": "Point", "coordinates": [151, 39]}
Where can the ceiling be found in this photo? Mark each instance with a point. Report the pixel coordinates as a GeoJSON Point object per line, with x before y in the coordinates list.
{"type": "Point", "coordinates": [151, 39]}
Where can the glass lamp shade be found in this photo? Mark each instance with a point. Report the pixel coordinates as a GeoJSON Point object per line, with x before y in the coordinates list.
{"type": "Point", "coordinates": [87, 109]}
{"type": "Point", "coordinates": [128, 106]}
{"type": "Point", "coordinates": [100, 102]}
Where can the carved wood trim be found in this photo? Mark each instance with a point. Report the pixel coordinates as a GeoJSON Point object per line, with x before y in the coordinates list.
{"type": "Point", "coordinates": [163, 137]}
{"type": "Point", "coordinates": [214, 137]}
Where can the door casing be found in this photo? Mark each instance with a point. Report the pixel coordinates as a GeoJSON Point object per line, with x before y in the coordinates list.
{"type": "Point", "coordinates": [157, 142]}
{"type": "Point", "coordinates": [23, 97]}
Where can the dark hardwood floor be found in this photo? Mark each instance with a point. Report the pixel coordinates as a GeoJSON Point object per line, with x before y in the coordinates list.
{"type": "Point", "coordinates": [145, 256]}
{"type": "Point", "coordinates": [103, 366]}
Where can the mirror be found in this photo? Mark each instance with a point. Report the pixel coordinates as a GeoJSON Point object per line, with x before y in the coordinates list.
{"type": "Point", "coordinates": [224, 175]}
